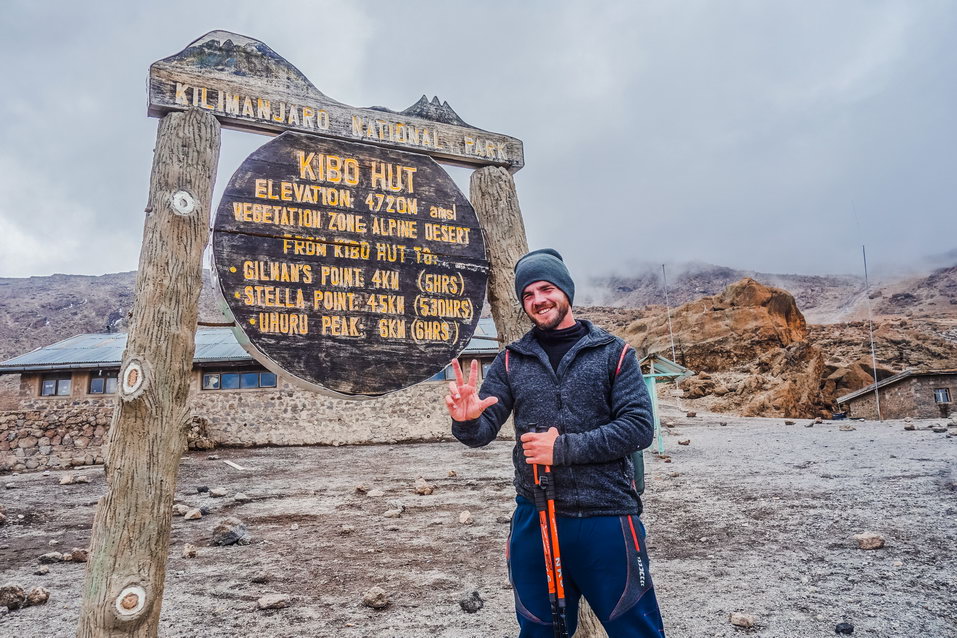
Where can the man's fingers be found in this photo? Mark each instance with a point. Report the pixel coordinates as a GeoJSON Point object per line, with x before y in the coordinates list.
{"type": "Point", "coordinates": [454, 391]}
{"type": "Point", "coordinates": [473, 372]}
{"type": "Point", "coordinates": [489, 401]}
{"type": "Point", "coordinates": [457, 369]}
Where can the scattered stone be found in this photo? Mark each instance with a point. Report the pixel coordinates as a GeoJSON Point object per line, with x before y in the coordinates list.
{"type": "Point", "coordinates": [940, 429]}
{"type": "Point", "coordinates": [844, 628]}
{"type": "Point", "coordinates": [393, 513]}
{"type": "Point", "coordinates": [465, 518]}
{"type": "Point", "coordinates": [909, 426]}
{"type": "Point", "coordinates": [212, 457]}
{"type": "Point", "coordinates": [10, 486]}
{"type": "Point", "coordinates": [189, 550]}
{"type": "Point", "coordinates": [241, 498]}
{"type": "Point", "coordinates": [788, 422]}
{"type": "Point", "coordinates": [345, 530]}
{"type": "Point", "coordinates": [67, 479]}
{"type": "Point", "coordinates": [673, 474]}
{"type": "Point", "coordinates": [691, 415]}
{"type": "Point", "coordinates": [503, 520]}
{"type": "Point", "coordinates": [667, 459]}
{"type": "Point", "coordinates": [376, 598]}
{"type": "Point", "coordinates": [453, 474]}
{"type": "Point", "coordinates": [52, 557]}
{"type": "Point", "coordinates": [230, 531]}
{"type": "Point", "coordinates": [723, 423]}
{"type": "Point", "coordinates": [809, 425]}
{"type": "Point", "coordinates": [819, 420]}
{"type": "Point", "coordinates": [685, 442]}
{"type": "Point", "coordinates": [193, 514]}
{"type": "Point", "coordinates": [261, 578]}
{"type": "Point", "coordinates": [376, 493]}
{"type": "Point", "coordinates": [742, 620]}
{"type": "Point", "coordinates": [201, 489]}
{"type": "Point", "coordinates": [77, 555]}
{"type": "Point", "coordinates": [294, 526]}
{"type": "Point", "coordinates": [847, 428]}
{"type": "Point", "coordinates": [869, 540]}
{"type": "Point", "coordinates": [274, 601]}
{"type": "Point", "coordinates": [204, 511]}
{"type": "Point", "coordinates": [362, 488]}
{"type": "Point", "coordinates": [3, 515]}
{"type": "Point", "coordinates": [37, 596]}
{"type": "Point", "coordinates": [898, 563]}
{"type": "Point", "coordinates": [12, 596]}
{"type": "Point", "coordinates": [423, 487]}
{"type": "Point", "coordinates": [180, 510]}
{"type": "Point", "coordinates": [218, 492]}
{"type": "Point", "coordinates": [43, 570]}
{"type": "Point", "coordinates": [82, 479]}
{"type": "Point", "coordinates": [471, 603]}
{"type": "Point", "coordinates": [669, 424]}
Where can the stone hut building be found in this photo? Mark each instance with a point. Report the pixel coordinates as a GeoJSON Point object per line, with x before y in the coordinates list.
{"type": "Point", "coordinates": [67, 391]}
{"type": "Point", "coordinates": [920, 394]}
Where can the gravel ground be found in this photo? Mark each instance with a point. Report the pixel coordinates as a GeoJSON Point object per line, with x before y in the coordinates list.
{"type": "Point", "coordinates": [752, 516]}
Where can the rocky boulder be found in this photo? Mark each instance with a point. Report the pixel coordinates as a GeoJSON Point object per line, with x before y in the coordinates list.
{"type": "Point", "coordinates": [726, 330]}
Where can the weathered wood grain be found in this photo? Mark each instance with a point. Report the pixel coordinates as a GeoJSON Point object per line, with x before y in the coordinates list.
{"type": "Point", "coordinates": [125, 574]}
{"type": "Point", "coordinates": [248, 86]}
{"type": "Point", "coordinates": [357, 270]}
{"type": "Point", "coordinates": [492, 191]}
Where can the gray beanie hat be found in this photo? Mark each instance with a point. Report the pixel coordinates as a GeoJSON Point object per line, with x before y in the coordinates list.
{"type": "Point", "coordinates": [545, 264]}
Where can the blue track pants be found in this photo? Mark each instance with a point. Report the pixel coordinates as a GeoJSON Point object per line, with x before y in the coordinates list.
{"type": "Point", "coordinates": [603, 558]}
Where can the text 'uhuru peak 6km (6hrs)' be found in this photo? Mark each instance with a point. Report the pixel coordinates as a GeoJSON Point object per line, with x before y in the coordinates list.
{"type": "Point", "coordinates": [356, 269]}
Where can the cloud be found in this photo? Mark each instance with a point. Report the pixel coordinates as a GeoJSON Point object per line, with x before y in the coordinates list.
{"type": "Point", "coordinates": [735, 133]}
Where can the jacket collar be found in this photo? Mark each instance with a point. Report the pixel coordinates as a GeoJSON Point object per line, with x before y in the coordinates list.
{"type": "Point", "coordinates": [528, 344]}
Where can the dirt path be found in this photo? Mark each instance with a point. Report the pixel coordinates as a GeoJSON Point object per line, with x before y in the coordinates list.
{"type": "Point", "coordinates": [754, 516]}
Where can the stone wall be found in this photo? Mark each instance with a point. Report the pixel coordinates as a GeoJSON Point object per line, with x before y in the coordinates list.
{"type": "Point", "coordinates": [56, 432]}
{"type": "Point", "coordinates": [52, 438]}
{"type": "Point", "coordinates": [913, 397]}
{"type": "Point", "coordinates": [291, 416]}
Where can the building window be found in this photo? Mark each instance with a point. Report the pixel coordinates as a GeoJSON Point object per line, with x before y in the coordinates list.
{"type": "Point", "coordinates": [102, 384]}
{"type": "Point", "coordinates": [59, 386]}
{"type": "Point", "coordinates": [942, 395]}
{"type": "Point", "coordinates": [238, 380]}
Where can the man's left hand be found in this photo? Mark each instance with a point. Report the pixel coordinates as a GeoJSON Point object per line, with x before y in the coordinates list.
{"type": "Point", "coordinates": [539, 447]}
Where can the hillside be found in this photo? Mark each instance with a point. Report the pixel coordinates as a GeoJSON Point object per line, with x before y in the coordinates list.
{"type": "Point", "coordinates": [821, 298]}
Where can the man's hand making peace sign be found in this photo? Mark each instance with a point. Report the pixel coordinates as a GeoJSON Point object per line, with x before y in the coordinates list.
{"type": "Point", "coordinates": [463, 401]}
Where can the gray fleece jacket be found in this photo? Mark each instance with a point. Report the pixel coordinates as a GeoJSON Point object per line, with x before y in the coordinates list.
{"type": "Point", "coordinates": [602, 417]}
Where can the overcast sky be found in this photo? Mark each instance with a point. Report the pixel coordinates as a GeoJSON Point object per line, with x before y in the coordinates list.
{"type": "Point", "coordinates": [773, 136]}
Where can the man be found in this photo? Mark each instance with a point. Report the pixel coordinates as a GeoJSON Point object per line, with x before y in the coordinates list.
{"type": "Point", "coordinates": [586, 386]}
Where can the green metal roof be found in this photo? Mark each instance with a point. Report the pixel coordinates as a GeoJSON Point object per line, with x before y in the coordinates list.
{"type": "Point", "coordinates": [664, 369]}
{"type": "Point", "coordinates": [213, 345]}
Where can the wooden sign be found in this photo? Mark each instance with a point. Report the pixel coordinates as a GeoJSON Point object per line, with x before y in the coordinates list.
{"type": "Point", "coordinates": [248, 86]}
{"type": "Point", "coordinates": [358, 270]}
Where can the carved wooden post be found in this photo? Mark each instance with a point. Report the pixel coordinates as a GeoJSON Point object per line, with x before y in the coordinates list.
{"type": "Point", "coordinates": [492, 191]}
{"type": "Point", "coordinates": [130, 539]}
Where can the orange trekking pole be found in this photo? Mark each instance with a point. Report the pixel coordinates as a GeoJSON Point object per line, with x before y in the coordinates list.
{"type": "Point", "coordinates": [545, 504]}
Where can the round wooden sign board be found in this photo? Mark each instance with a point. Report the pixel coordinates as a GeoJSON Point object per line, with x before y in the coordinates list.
{"type": "Point", "coordinates": [355, 269]}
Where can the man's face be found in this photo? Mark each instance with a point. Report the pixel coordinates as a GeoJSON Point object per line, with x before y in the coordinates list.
{"type": "Point", "coordinates": [545, 304]}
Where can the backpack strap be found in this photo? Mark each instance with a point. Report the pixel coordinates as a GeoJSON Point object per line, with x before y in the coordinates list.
{"type": "Point", "coordinates": [621, 359]}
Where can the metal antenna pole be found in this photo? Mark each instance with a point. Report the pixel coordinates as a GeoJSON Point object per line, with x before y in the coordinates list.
{"type": "Point", "coordinates": [870, 327]}
{"type": "Point", "coordinates": [671, 332]}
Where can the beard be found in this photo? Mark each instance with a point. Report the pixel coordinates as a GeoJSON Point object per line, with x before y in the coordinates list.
{"type": "Point", "coordinates": [552, 319]}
